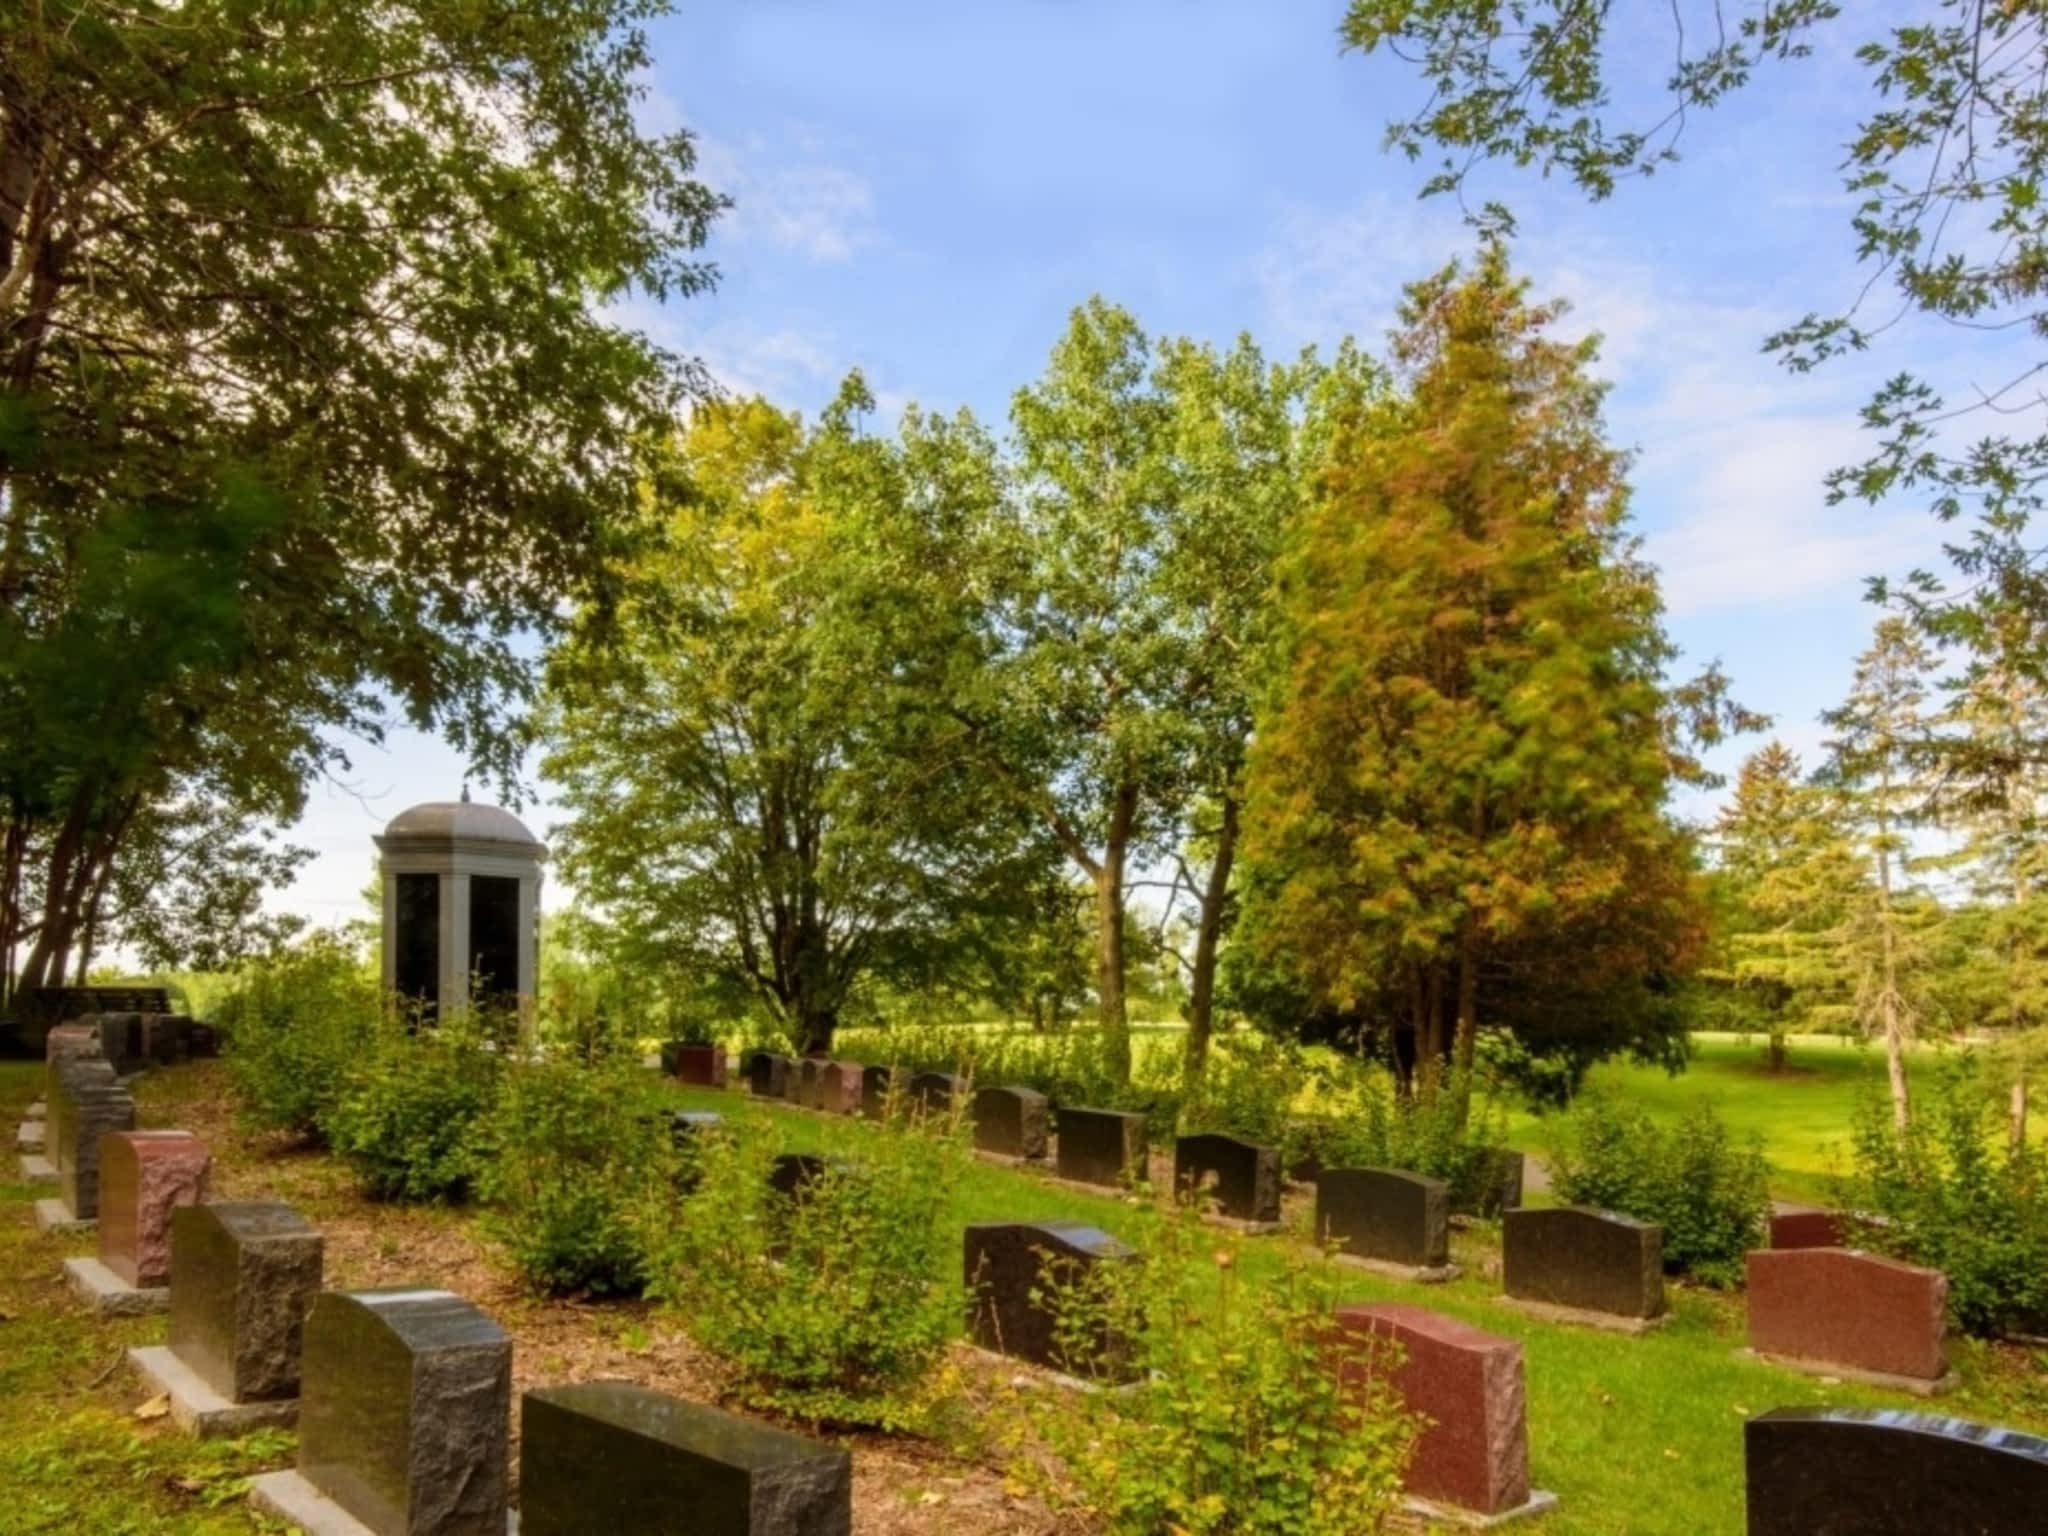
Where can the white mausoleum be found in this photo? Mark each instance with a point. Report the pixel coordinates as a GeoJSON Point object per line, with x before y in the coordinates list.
{"type": "Point", "coordinates": [461, 901]}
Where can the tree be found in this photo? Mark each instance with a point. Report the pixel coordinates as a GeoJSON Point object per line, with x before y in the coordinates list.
{"type": "Point", "coordinates": [1881, 730]}
{"type": "Point", "coordinates": [308, 412]}
{"type": "Point", "coordinates": [1457, 789]}
{"type": "Point", "coordinates": [760, 811]}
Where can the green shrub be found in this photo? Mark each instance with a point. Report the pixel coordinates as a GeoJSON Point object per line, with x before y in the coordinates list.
{"type": "Point", "coordinates": [569, 1154]}
{"type": "Point", "coordinates": [1250, 1412]}
{"type": "Point", "coordinates": [834, 1307]}
{"type": "Point", "coordinates": [1455, 1135]}
{"type": "Point", "coordinates": [1248, 1089]}
{"type": "Point", "coordinates": [294, 1026]}
{"type": "Point", "coordinates": [408, 1117]}
{"type": "Point", "coordinates": [1711, 1196]}
{"type": "Point", "coordinates": [1949, 1192]}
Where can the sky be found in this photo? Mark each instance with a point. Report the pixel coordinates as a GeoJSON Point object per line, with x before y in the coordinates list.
{"type": "Point", "coordinates": [924, 191]}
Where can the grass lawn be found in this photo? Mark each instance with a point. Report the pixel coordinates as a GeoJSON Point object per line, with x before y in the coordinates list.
{"type": "Point", "coordinates": [1638, 1435]}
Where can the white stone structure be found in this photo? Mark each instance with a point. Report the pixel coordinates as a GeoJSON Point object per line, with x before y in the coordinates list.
{"type": "Point", "coordinates": [461, 899]}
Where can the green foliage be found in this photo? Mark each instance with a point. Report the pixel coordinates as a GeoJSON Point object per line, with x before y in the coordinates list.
{"type": "Point", "coordinates": [1950, 1192]}
{"type": "Point", "coordinates": [1710, 1194]}
{"type": "Point", "coordinates": [1250, 1412]}
{"type": "Point", "coordinates": [835, 1306]}
{"type": "Point", "coordinates": [295, 1024]}
{"type": "Point", "coordinates": [408, 1116]}
{"type": "Point", "coordinates": [569, 1153]}
{"type": "Point", "coordinates": [1248, 1090]}
{"type": "Point", "coordinates": [1453, 1136]}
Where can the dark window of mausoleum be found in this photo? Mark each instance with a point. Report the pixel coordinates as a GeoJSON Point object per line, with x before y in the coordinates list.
{"type": "Point", "coordinates": [419, 938]}
{"type": "Point", "coordinates": [494, 934]}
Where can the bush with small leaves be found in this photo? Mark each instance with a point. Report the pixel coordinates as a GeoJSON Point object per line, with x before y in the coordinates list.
{"type": "Point", "coordinates": [408, 1117]}
{"type": "Point", "coordinates": [295, 1025]}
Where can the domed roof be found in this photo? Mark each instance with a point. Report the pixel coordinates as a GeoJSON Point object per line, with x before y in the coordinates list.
{"type": "Point", "coordinates": [462, 820]}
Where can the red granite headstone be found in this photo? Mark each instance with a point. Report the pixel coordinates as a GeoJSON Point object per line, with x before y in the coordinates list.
{"type": "Point", "coordinates": [702, 1065]}
{"type": "Point", "coordinates": [1468, 1384]}
{"type": "Point", "coordinates": [144, 1176]}
{"type": "Point", "coordinates": [1805, 1226]}
{"type": "Point", "coordinates": [1840, 1307]}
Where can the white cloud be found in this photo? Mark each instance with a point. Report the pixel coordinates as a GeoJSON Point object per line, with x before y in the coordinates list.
{"type": "Point", "coordinates": [787, 196]}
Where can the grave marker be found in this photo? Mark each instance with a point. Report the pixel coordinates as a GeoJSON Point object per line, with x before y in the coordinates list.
{"type": "Point", "coordinates": [615, 1457]}
{"type": "Point", "coordinates": [935, 1092]}
{"type": "Point", "coordinates": [86, 1104]}
{"type": "Point", "coordinates": [1010, 1122]}
{"type": "Point", "coordinates": [1584, 1266]}
{"type": "Point", "coordinates": [1101, 1146]}
{"type": "Point", "coordinates": [700, 1065]}
{"type": "Point", "coordinates": [1387, 1217]}
{"type": "Point", "coordinates": [874, 1091]}
{"type": "Point", "coordinates": [1241, 1177]}
{"type": "Point", "coordinates": [144, 1177]}
{"type": "Point", "coordinates": [1007, 1261]}
{"type": "Point", "coordinates": [1807, 1226]}
{"type": "Point", "coordinates": [1840, 1312]}
{"type": "Point", "coordinates": [768, 1075]}
{"type": "Point", "coordinates": [841, 1088]}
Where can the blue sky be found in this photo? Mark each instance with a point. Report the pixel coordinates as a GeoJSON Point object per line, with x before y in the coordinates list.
{"type": "Point", "coordinates": [924, 190]}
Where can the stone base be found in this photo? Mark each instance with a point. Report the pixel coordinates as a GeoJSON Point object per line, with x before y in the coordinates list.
{"type": "Point", "coordinates": [54, 1217]}
{"type": "Point", "coordinates": [1612, 1322]}
{"type": "Point", "coordinates": [287, 1496]}
{"type": "Point", "coordinates": [1432, 1274]}
{"type": "Point", "coordinates": [37, 1169]}
{"type": "Point", "coordinates": [199, 1410]}
{"type": "Point", "coordinates": [1083, 1187]}
{"type": "Point", "coordinates": [1010, 1160]}
{"type": "Point", "coordinates": [30, 1137]}
{"type": "Point", "coordinates": [1540, 1503]}
{"type": "Point", "coordinates": [109, 1295]}
{"type": "Point", "coordinates": [1044, 1373]}
{"type": "Point", "coordinates": [1246, 1228]}
{"type": "Point", "coordinates": [1918, 1386]}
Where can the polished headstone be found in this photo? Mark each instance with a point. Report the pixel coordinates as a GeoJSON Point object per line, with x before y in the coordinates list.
{"type": "Point", "coordinates": [1591, 1261]}
{"type": "Point", "coordinates": [1241, 1177]}
{"type": "Point", "coordinates": [1881, 1472]}
{"type": "Point", "coordinates": [1015, 1270]}
{"type": "Point", "coordinates": [1854, 1311]}
{"type": "Point", "coordinates": [121, 1040]}
{"type": "Point", "coordinates": [840, 1086]}
{"type": "Point", "coordinates": [1100, 1146]}
{"type": "Point", "coordinates": [242, 1276]}
{"type": "Point", "coordinates": [768, 1075]}
{"type": "Point", "coordinates": [144, 1177]}
{"type": "Point", "coordinates": [1468, 1387]}
{"type": "Point", "coordinates": [1011, 1122]}
{"type": "Point", "coordinates": [613, 1457]}
{"type": "Point", "coordinates": [86, 1105]}
{"type": "Point", "coordinates": [1385, 1214]}
{"type": "Point", "coordinates": [1807, 1226]}
{"type": "Point", "coordinates": [874, 1091]}
{"type": "Point", "coordinates": [702, 1066]}
{"type": "Point", "coordinates": [936, 1091]}
{"type": "Point", "coordinates": [166, 1038]}
{"type": "Point", "coordinates": [404, 1419]}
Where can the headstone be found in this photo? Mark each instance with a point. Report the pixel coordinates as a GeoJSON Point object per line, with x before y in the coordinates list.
{"type": "Point", "coordinates": [202, 1042]}
{"type": "Point", "coordinates": [1586, 1261]}
{"type": "Point", "coordinates": [1007, 1262]}
{"type": "Point", "coordinates": [794, 1172]}
{"type": "Point", "coordinates": [242, 1276]}
{"type": "Point", "coordinates": [1100, 1146]}
{"type": "Point", "coordinates": [768, 1075]}
{"type": "Point", "coordinates": [1468, 1386]}
{"type": "Point", "coordinates": [1010, 1122]}
{"type": "Point", "coordinates": [935, 1092]}
{"type": "Point", "coordinates": [165, 1038]}
{"type": "Point", "coordinates": [1807, 1226]}
{"type": "Point", "coordinates": [702, 1066]}
{"type": "Point", "coordinates": [86, 1104]}
{"type": "Point", "coordinates": [840, 1087]}
{"type": "Point", "coordinates": [685, 1128]}
{"type": "Point", "coordinates": [121, 1041]}
{"type": "Point", "coordinates": [144, 1177]}
{"type": "Point", "coordinates": [1881, 1472]}
{"type": "Point", "coordinates": [874, 1091]}
{"type": "Point", "coordinates": [405, 1416]}
{"type": "Point", "coordinates": [1241, 1177]}
{"type": "Point", "coordinates": [1851, 1312]}
{"type": "Point", "coordinates": [616, 1457]}
{"type": "Point", "coordinates": [1386, 1216]}
{"type": "Point", "coordinates": [804, 1077]}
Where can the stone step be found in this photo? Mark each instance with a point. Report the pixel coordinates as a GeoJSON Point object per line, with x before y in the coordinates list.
{"type": "Point", "coordinates": [30, 1137]}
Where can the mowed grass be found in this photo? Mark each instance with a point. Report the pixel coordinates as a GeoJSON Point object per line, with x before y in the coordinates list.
{"type": "Point", "coordinates": [1639, 1435]}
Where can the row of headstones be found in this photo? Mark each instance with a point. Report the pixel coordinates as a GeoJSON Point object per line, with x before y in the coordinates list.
{"type": "Point", "coordinates": [1808, 1470]}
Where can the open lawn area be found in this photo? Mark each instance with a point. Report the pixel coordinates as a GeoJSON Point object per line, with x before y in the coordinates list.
{"type": "Point", "coordinates": [1637, 1435]}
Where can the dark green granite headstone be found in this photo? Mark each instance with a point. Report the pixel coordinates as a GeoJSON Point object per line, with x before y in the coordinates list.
{"type": "Point", "coordinates": [1386, 1214]}
{"type": "Point", "coordinates": [242, 1276]}
{"type": "Point", "coordinates": [404, 1418]}
{"type": "Point", "coordinates": [1594, 1261]}
{"type": "Point", "coordinates": [615, 1459]}
{"type": "Point", "coordinates": [1882, 1472]}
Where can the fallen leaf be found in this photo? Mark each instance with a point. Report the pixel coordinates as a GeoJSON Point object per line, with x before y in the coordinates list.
{"type": "Point", "coordinates": [156, 1408]}
{"type": "Point", "coordinates": [1668, 1451]}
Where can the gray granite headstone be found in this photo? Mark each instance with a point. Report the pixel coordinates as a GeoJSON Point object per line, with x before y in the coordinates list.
{"type": "Point", "coordinates": [935, 1092]}
{"type": "Point", "coordinates": [1241, 1177]}
{"type": "Point", "coordinates": [1010, 1122]}
{"type": "Point", "coordinates": [242, 1276]}
{"type": "Point", "coordinates": [1101, 1146]}
{"type": "Point", "coordinates": [1014, 1273]}
{"type": "Point", "coordinates": [404, 1418]}
{"type": "Point", "coordinates": [86, 1104]}
{"type": "Point", "coordinates": [1883, 1472]}
{"type": "Point", "coordinates": [616, 1459]}
{"type": "Point", "coordinates": [874, 1091]}
{"type": "Point", "coordinates": [1594, 1261]}
{"type": "Point", "coordinates": [768, 1075]}
{"type": "Point", "coordinates": [1385, 1214]}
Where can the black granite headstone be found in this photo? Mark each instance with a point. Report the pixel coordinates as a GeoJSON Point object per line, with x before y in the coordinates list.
{"type": "Point", "coordinates": [1101, 1146]}
{"type": "Point", "coordinates": [1010, 1122]}
{"type": "Point", "coordinates": [934, 1092]}
{"type": "Point", "coordinates": [87, 1104]}
{"type": "Point", "coordinates": [121, 1041]}
{"type": "Point", "coordinates": [1594, 1261]}
{"type": "Point", "coordinates": [874, 1092]}
{"type": "Point", "coordinates": [1007, 1262]}
{"type": "Point", "coordinates": [1881, 1472]}
{"type": "Point", "coordinates": [1241, 1177]}
{"type": "Point", "coordinates": [1385, 1214]}
{"type": "Point", "coordinates": [242, 1277]}
{"type": "Point", "coordinates": [793, 1172]}
{"type": "Point", "coordinates": [405, 1417]}
{"type": "Point", "coordinates": [768, 1075]}
{"type": "Point", "coordinates": [612, 1457]}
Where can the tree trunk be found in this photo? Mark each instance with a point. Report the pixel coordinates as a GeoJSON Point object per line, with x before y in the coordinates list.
{"type": "Point", "coordinates": [1774, 1049]}
{"type": "Point", "coordinates": [1208, 939]}
{"type": "Point", "coordinates": [1467, 1039]}
{"type": "Point", "coordinates": [1890, 1006]}
{"type": "Point", "coordinates": [1109, 939]}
